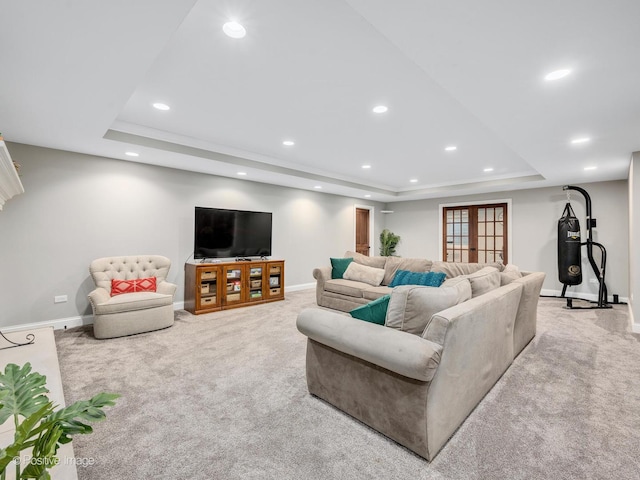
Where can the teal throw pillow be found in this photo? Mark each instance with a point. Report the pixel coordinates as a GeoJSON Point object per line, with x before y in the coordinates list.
{"type": "Point", "coordinates": [427, 279]}
{"type": "Point", "coordinates": [339, 265]}
{"type": "Point", "coordinates": [374, 312]}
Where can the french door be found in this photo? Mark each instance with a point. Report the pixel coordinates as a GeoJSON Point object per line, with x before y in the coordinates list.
{"type": "Point", "coordinates": [475, 233]}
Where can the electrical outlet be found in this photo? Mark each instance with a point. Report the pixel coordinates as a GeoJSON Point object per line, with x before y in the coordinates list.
{"type": "Point", "coordinates": [59, 299]}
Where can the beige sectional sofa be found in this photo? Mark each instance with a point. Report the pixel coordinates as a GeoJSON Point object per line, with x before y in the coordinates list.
{"type": "Point", "coordinates": [345, 295]}
{"type": "Point", "coordinates": [417, 388]}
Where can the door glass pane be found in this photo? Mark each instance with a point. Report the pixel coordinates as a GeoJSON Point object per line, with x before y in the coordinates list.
{"type": "Point", "coordinates": [499, 213]}
{"type": "Point", "coordinates": [499, 243]}
{"type": "Point", "coordinates": [481, 228]}
{"type": "Point", "coordinates": [499, 228]}
{"type": "Point", "coordinates": [489, 243]}
{"type": "Point", "coordinates": [456, 256]}
{"type": "Point", "coordinates": [449, 255]}
{"type": "Point", "coordinates": [481, 257]}
{"type": "Point", "coordinates": [481, 214]}
{"type": "Point", "coordinates": [456, 216]}
{"type": "Point", "coordinates": [449, 229]}
{"type": "Point", "coordinates": [465, 215]}
{"type": "Point", "coordinates": [490, 214]}
{"type": "Point", "coordinates": [465, 256]}
{"type": "Point", "coordinates": [449, 241]}
{"type": "Point", "coordinates": [449, 216]}
{"type": "Point", "coordinates": [489, 228]}
{"type": "Point", "coordinates": [481, 244]}
{"type": "Point", "coordinates": [490, 257]}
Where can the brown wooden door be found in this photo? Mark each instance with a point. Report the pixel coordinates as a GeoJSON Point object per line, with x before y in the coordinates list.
{"type": "Point", "coordinates": [475, 233]}
{"type": "Point", "coordinates": [362, 231]}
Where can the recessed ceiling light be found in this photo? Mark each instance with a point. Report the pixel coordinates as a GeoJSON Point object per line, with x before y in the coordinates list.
{"type": "Point", "coordinates": [590, 168]}
{"type": "Point", "coordinates": [414, 180]}
{"type": "Point", "coordinates": [132, 154]}
{"type": "Point", "coordinates": [580, 140]}
{"type": "Point", "coordinates": [367, 196]}
{"type": "Point", "coordinates": [380, 109]}
{"type": "Point", "coordinates": [234, 30]}
{"type": "Point", "coordinates": [288, 143]}
{"type": "Point", "coordinates": [386, 211]}
{"type": "Point", "coordinates": [488, 169]}
{"type": "Point", "coordinates": [242, 174]}
{"type": "Point", "coordinates": [318, 187]}
{"type": "Point", "coordinates": [161, 106]}
{"type": "Point", "coordinates": [366, 166]}
{"type": "Point", "coordinates": [451, 148]}
{"type": "Point", "coordinates": [557, 74]}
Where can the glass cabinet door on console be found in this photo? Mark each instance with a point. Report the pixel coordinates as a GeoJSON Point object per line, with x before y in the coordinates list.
{"type": "Point", "coordinates": [275, 274]}
{"type": "Point", "coordinates": [233, 288]}
{"type": "Point", "coordinates": [255, 280]}
{"type": "Point", "coordinates": [207, 295]}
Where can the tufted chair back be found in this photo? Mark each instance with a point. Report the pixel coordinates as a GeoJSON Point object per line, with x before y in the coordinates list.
{"type": "Point", "coordinates": [103, 270]}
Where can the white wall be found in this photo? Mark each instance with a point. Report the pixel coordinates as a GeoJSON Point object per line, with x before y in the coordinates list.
{"type": "Point", "coordinates": [535, 216]}
{"type": "Point", "coordinates": [77, 208]}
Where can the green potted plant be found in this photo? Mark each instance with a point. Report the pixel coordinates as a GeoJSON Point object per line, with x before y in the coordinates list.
{"type": "Point", "coordinates": [388, 243]}
{"type": "Point", "coordinates": [38, 424]}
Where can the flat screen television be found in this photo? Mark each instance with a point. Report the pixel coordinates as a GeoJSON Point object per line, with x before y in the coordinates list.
{"type": "Point", "coordinates": [221, 233]}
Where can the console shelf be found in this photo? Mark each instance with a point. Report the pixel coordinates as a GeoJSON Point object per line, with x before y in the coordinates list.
{"type": "Point", "coordinates": [218, 286]}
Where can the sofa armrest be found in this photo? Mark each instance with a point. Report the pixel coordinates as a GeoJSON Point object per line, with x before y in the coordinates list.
{"type": "Point", "coordinates": [322, 274]}
{"type": "Point", "coordinates": [166, 288]}
{"type": "Point", "coordinates": [98, 296]}
{"type": "Point", "coordinates": [400, 352]}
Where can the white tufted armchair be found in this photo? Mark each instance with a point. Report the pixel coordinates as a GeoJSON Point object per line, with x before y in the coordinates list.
{"type": "Point", "coordinates": [130, 313]}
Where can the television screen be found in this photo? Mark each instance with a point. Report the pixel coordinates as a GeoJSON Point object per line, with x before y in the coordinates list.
{"type": "Point", "coordinates": [223, 233]}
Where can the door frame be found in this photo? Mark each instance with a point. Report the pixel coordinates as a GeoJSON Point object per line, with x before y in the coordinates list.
{"type": "Point", "coordinates": [442, 206]}
{"type": "Point", "coordinates": [372, 239]}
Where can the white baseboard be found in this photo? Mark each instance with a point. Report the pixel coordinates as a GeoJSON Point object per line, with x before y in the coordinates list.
{"type": "Point", "coordinates": [81, 320]}
{"type": "Point", "coordinates": [592, 297]}
{"type": "Point", "coordinates": [302, 286]}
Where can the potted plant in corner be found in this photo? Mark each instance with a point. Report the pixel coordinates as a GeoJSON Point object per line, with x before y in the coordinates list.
{"type": "Point", "coordinates": [38, 424]}
{"type": "Point", "coordinates": [388, 243]}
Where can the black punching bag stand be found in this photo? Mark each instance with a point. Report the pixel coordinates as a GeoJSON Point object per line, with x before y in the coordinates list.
{"type": "Point", "coordinates": [591, 223]}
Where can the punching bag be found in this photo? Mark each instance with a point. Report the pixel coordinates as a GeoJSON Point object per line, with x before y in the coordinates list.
{"type": "Point", "coordinates": [569, 259]}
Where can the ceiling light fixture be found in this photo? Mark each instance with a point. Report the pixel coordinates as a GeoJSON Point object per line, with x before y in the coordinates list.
{"type": "Point", "coordinates": [414, 180]}
{"type": "Point", "coordinates": [557, 74]}
{"type": "Point", "coordinates": [318, 187]}
{"type": "Point", "coordinates": [593, 167]}
{"type": "Point", "coordinates": [234, 30]}
{"type": "Point", "coordinates": [132, 154]}
{"type": "Point", "coordinates": [580, 140]}
{"type": "Point", "coordinates": [451, 148]}
{"type": "Point", "coordinates": [380, 109]}
{"type": "Point", "coordinates": [242, 174]}
{"type": "Point", "coordinates": [161, 106]}
{"type": "Point", "coordinates": [367, 196]}
{"type": "Point", "coordinates": [488, 169]}
{"type": "Point", "coordinates": [366, 166]}
{"type": "Point", "coordinates": [386, 211]}
{"type": "Point", "coordinates": [288, 143]}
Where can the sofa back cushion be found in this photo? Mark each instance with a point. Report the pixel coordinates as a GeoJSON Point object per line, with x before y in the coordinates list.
{"type": "Point", "coordinates": [376, 262]}
{"type": "Point", "coordinates": [454, 269]}
{"type": "Point", "coordinates": [483, 281]}
{"type": "Point", "coordinates": [362, 273]}
{"type": "Point", "coordinates": [393, 264]}
{"type": "Point", "coordinates": [103, 270]}
{"type": "Point", "coordinates": [509, 274]}
{"type": "Point", "coordinates": [411, 306]}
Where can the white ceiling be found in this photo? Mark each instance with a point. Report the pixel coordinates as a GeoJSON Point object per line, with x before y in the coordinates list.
{"type": "Point", "coordinates": [83, 75]}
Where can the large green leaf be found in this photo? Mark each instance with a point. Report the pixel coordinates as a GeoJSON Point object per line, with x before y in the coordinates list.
{"type": "Point", "coordinates": [23, 391]}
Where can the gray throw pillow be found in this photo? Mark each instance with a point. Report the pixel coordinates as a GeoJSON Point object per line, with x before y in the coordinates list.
{"type": "Point", "coordinates": [411, 306]}
{"type": "Point", "coordinates": [483, 281]}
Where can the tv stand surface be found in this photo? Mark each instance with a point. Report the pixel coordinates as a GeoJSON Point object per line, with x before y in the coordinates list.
{"type": "Point", "coordinates": [209, 287]}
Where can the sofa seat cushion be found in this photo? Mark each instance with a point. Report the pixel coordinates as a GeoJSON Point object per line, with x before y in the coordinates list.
{"type": "Point", "coordinates": [372, 293]}
{"type": "Point", "coordinates": [349, 288]}
{"type": "Point", "coordinates": [412, 306]}
{"type": "Point", "coordinates": [128, 302]}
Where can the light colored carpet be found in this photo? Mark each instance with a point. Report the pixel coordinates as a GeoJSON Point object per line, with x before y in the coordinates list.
{"type": "Point", "coordinates": [223, 396]}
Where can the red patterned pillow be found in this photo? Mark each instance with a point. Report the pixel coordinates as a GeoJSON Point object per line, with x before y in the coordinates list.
{"type": "Point", "coordinates": [130, 286]}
